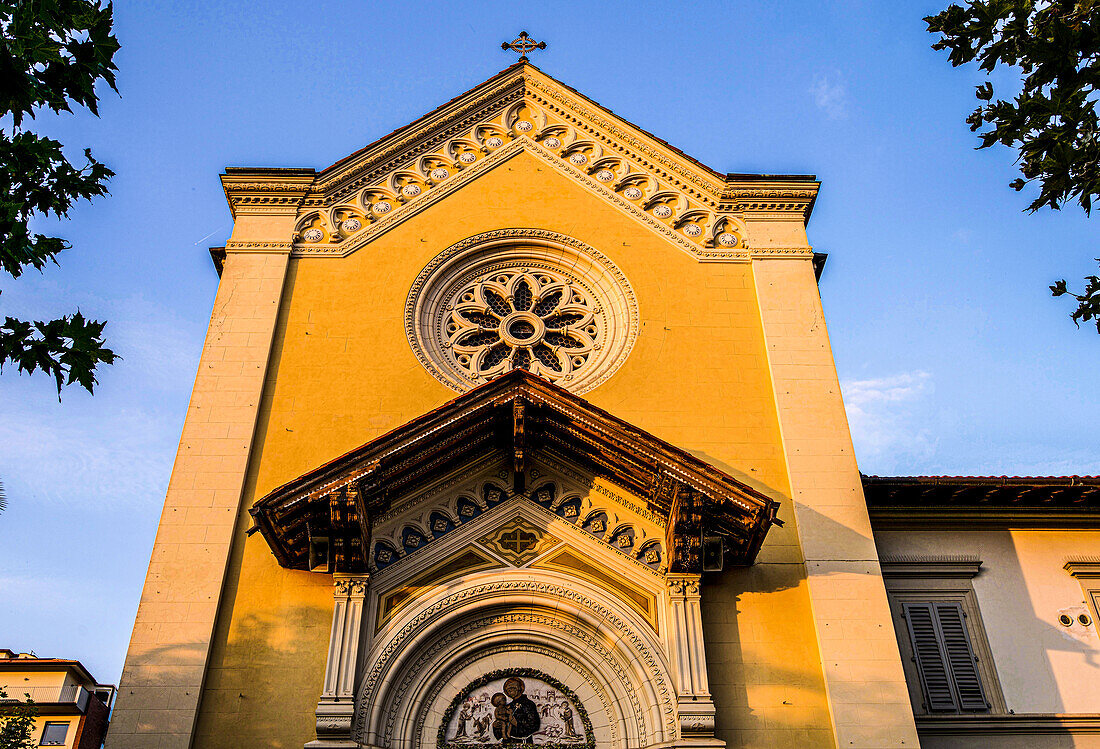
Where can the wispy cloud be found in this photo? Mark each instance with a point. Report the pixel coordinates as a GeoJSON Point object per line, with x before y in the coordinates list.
{"type": "Point", "coordinates": [114, 449]}
{"type": "Point", "coordinates": [105, 458]}
{"type": "Point", "coordinates": [963, 236]}
{"type": "Point", "coordinates": [830, 95]}
{"type": "Point", "coordinates": [883, 414]}
{"type": "Point", "coordinates": [155, 344]}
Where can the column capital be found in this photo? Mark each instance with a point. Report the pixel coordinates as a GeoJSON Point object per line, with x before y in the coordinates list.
{"type": "Point", "coordinates": [344, 586]}
{"type": "Point", "coordinates": [683, 585]}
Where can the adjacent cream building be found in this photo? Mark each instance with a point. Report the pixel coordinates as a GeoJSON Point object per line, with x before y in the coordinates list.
{"type": "Point", "coordinates": [72, 708]}
{"type": "Point", "coordinates": [520, 426]}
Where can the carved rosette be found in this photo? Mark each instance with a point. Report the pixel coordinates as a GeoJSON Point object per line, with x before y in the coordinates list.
{"type": "Point", "coordinates": [539, 321]}
{"type": "Point", "coordinates": [521, 299]}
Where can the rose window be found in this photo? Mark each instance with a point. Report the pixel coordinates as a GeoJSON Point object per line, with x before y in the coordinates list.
{"type": "Point", "coordinates": [539, 321]}
{"type": "Point", "coordinates": [521, 299]}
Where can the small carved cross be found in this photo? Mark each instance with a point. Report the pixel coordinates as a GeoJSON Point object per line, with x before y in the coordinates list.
{"type": "Point", "coordinates": [523, 44]}
{"type": "Point", "coordinates": [518, 540]}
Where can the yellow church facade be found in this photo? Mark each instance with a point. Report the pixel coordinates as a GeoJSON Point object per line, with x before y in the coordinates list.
{"type": "Point", "coordinates": [519, 426]}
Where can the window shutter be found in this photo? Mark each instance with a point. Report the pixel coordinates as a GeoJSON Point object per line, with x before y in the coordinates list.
{"type": "Point", "coordinates": [931, 658]}
{"type": "Point", "coordinates": [960, 657]}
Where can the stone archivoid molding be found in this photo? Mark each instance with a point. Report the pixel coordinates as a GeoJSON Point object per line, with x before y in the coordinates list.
{"type": "Point", "coordinates": [522, 673]}
{"type": "Point", "coordinates": [541, 586]}
{"type": "Point", "coordinates": [565, 631]}
{"type": "Point", "coordinates": [524, 110]}
{"type": "Point", "coordinates": [607, 701]}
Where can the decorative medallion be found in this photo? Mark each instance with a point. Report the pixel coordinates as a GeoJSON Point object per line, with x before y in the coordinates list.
{"type": "Point", "coordinates": [521, 299]}
{"type": "Point", "coordinates": [467, 157]}
{"type": "Point", "coordinates": [516, 706]}
{"type": "Point", "coordinates": [381, 206]}
{"type": "Point", "coordinates": [494, 142]}
{"type": "Point", "coordinates": [632, 193]}
{"type": "Point", "coordinates": [351, 225]}
{"type": "Point", "coordinates": [662, 211]}
{"type": "Point", "coordinates": [727, 239]}
{"type": "Point", "coordinates": [693, 230]}
{"type": "Point", "coordinates": [313, 235]}
{"type": "Point", "coordinates": [579, 158]}
{"type": "Point", "coordinates": [605, 175]}
{"type": "Point", "coordinates": [524, 126]}
{"type": "Point", "coordinates": [552, 143]}
{"type": "Point", "coordinates": [440, 173]}
{"type": "Point", "coordinates": [410, 191]}
{"type": "Point", "coordinates": [518, 541]}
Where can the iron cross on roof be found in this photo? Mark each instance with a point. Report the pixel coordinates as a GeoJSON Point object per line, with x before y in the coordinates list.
{"type": "Point", "coordinates": [523, 44]}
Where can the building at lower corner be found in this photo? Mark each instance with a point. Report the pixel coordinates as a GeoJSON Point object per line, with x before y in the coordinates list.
{"type": "Point", "coordinates": [520, 426]}
{"type": "Point", "coordinates": [73, 709]}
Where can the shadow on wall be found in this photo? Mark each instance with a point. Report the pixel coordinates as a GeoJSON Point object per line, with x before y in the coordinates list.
{"type": "Point", "coordinates": [764, 664]}
{"type": "Point", "coordinates": [762, 658]}
{"type": "Point", "coordinates": [1043, 637]}
{"type": "Point", "coordinates": [263, 684]}
{"type": "Point", "coordinates": [1035, 676]}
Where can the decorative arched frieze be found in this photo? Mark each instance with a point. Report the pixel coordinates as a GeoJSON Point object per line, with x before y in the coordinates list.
{"type": "Point", "coordinates": [444, 516]}
{"type": "Point", "coordinates": [681, 202]}
{"type": "Point", "coordinates": [525, 110]}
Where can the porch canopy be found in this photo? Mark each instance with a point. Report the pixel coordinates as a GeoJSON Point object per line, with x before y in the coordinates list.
{"type": "Point", "coordinates": [520, 415]}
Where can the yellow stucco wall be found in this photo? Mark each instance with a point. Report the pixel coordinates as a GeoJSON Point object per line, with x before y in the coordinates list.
{"type": "Point", "coordinates": [342, 373]}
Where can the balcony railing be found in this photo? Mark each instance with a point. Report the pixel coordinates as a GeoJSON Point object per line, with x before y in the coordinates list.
{"type": "Point", "coordinates": [71, 694]}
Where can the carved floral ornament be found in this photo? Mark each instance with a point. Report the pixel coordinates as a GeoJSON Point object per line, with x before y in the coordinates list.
{"type": "Point", "coordinates": [695, 209]}
{"type": "Point", "coordinates": [521, 299]}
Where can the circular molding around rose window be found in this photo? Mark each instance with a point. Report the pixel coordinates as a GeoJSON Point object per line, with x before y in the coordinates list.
{"type": "Point", "coordinates": [521, 298]}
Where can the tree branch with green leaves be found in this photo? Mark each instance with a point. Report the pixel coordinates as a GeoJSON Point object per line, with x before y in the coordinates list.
{"type": "Point", "coordinates": [1052, 122]}
{"type": "Point", "coordinates": [53, 53]}
{"type": "Point", "coordinates": [17, 722]}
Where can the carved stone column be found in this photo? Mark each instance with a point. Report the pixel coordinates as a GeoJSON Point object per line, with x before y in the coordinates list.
{"type": "Point", "coordinates": [336, 709]}
{"type": "Point", "coordinates": [696, 707]}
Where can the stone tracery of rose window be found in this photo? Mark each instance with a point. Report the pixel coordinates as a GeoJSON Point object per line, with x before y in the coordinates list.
{"type": "Point", "coordinates": [531, 319]}
{"type": "Point", "coordinates": [521, 299]}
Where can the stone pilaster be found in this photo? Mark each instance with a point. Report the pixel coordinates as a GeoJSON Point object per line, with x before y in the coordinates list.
{"type": "Point", "coordinates": [868, 700]}
{"type": "Point", "coordinates": [336, 709]}
{"type": "Point", "coordinates": [162, 680]}
{"type": "Point", "coordinates": [695, 706]}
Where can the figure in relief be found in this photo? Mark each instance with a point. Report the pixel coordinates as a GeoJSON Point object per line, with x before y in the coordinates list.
{"type": "Point", "coordinates": [523, 712]}
{"type": "Point", "coordinates": [516, 708]}
{"type": "Point", "coordinates": [565, 714]}
{"type": "Point", "coordinates": [504, 723]}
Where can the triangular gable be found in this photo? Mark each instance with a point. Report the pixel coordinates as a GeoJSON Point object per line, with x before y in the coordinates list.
{"type": "Point", "coordinates": [521, 416]}
{"type": "Point", "coordinates": [522, 109]}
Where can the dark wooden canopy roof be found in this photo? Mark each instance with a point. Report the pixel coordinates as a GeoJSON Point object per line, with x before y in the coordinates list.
{"type": "Point", "coordinates": [519, 415]}
{"type": "Point", "coordinates": [901, 501]}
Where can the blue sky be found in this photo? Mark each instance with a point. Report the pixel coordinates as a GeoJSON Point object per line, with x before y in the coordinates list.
{"type": "Point", "coordinates": [953, 357]}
